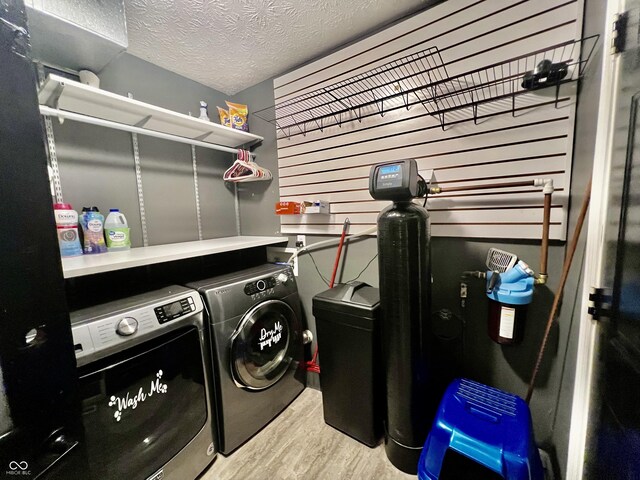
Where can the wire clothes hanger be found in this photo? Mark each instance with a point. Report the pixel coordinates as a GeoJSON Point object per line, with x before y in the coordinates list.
{"type": "Point", "coordinates": [244, 169]}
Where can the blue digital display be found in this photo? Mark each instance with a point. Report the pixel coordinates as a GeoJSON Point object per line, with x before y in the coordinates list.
{"type": "Point", "coordinates": [389, 169]}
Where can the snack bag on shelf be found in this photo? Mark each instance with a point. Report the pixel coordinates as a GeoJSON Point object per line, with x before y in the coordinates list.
{"type": "Point", "coordinates": [238, 114]}
{"type": "Point", "coordinates": [225, 119]}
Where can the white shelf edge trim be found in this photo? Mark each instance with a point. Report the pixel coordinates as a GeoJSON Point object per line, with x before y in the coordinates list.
{"type": "Point", "coordinates": [138, 257]}
{"type": "Point", "coordinates": [77, 117]}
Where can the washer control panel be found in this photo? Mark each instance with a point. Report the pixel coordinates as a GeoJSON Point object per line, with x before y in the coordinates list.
{"type": "Point", "coordinates": [173, 310]}
{"type": "Point", "coordinates": [127, 326]}
{"type": "Point", "coordinates": [106, 328]}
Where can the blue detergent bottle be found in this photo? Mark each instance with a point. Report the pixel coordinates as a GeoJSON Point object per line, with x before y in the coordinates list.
{"type": "Point", "coordinates": [92, 222]}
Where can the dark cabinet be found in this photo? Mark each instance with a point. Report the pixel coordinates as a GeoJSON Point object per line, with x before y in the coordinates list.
{"type": "Point", "coordinates": [38, 395]}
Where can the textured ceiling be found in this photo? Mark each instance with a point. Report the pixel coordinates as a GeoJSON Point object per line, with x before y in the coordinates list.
{"type": "Point", "coordinates": [230, 45]}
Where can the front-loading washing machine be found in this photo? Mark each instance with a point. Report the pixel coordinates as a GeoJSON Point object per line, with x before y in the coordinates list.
{"type": "Point", "coordinates": [256, 333]}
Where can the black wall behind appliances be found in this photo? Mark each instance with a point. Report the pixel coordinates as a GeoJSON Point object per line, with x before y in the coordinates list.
{"type": "Point", "coordinates": [38, 392]}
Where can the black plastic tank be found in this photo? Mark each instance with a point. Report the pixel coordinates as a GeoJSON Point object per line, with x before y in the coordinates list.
{"type": "Point", "coordinates": [347, 322]}
{"type": "Point", "coordinates": [407, 341]}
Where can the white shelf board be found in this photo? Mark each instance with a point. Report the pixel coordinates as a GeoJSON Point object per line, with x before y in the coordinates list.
{"type": "Point", "coordinates": [137, 257]}
{"type": "Point", "coordinates": [67, 95]}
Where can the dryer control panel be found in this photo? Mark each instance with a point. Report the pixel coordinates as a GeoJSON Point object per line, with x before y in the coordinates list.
{"type": "Point", "coordinates": [264, 286]}
{"type": "Point", "coordinates": [260, 285]}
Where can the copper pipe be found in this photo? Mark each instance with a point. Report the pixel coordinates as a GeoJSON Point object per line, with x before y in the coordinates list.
{"type": "Point", "coordinates": [544, 254]}
{"type": "Point", "coordinates": [527, 183]}
{"type": "Point", "coordinates": [563, 280]}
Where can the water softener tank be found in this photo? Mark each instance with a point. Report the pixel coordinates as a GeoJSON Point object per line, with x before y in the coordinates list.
{"type": "Point", "coordinates": [405, 301]}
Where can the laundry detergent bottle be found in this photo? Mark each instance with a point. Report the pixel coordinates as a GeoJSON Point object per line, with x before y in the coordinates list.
{"type": "Point", "coordinates": [116, 231]}
{"type": "Point", "coordinates": [67, 229]}
{"type": "Point", "coordinates": [92, 222]}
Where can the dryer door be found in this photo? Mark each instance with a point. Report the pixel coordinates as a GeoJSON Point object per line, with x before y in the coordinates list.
{"type": "Point", "coordinates": [263, 345]}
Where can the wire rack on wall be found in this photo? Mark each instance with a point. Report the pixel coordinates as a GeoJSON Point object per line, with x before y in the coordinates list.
{"type": "Point", "coordinates": [422, 79]}
{"type": "Point", "coordinates": [399, 83]}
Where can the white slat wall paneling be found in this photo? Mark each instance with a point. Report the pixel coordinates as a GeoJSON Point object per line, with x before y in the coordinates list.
{"type": "Point", "coordinates": [452, 77]}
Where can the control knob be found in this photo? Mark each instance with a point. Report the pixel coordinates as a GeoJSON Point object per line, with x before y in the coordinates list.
{"type": "Point", "coordinates": [283, 278]}
{"type": "Point", "coordinates": [127, 326]}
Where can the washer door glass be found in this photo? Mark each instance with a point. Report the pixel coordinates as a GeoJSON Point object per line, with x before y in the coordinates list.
{"type": "Point", "coordinates": [141, 406]}
{"type": "Point", "coordinates": [263, 344]}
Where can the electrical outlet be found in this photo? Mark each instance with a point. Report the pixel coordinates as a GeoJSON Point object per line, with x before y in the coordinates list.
{"type": "Point", "coordinates": [301, 241]}
{"type": "Point", "coordinates": [282, 255]}
{"type": "Point", "coordinates": [463, 294]}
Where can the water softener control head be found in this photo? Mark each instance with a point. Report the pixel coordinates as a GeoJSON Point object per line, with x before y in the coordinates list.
{"type": "Point", "coordinates": [397, 181]}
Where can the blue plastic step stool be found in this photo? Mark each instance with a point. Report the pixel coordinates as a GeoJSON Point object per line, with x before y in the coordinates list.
{"type": "Point", "coordinates": [490, 427]}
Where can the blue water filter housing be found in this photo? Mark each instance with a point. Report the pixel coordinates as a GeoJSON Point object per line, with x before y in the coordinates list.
{"type": "Point", "coordinates": [508, 301]}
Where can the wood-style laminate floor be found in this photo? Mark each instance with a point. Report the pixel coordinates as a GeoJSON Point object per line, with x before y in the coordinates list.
{"type": "Point", "coordinates": [299, 445]}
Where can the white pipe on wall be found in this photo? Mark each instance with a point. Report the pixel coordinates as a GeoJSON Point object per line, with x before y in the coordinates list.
{"type": "Point", "coordinates": [331, 241]}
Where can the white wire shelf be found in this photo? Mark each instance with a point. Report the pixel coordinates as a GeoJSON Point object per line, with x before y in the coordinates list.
{"type": "Point", "coordinates": [76, 101]}
{"type": "Point", "coordinates": [422, 79]}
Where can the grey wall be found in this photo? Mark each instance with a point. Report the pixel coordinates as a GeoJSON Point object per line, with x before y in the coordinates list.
{"type": "Point", "coordinates": [257, 199]}
{"type": "Point", "coordinates": [97, 168]}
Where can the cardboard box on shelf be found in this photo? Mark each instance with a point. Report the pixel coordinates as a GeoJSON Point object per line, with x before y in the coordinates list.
{"type": "Point", "coordinates": [298, 208]}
